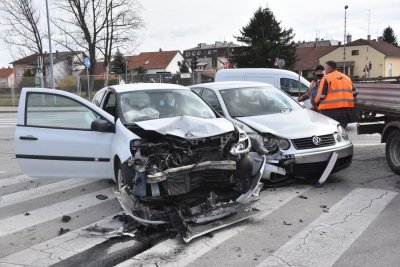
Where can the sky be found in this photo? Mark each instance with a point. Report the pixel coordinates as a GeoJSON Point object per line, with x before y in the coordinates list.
{"type": "Point", "coordinates": [182, 24]}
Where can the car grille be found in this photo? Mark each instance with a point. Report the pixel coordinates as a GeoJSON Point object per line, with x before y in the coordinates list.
{"type": "Point", "coordinates": [307, 143]}
{"type": "Point", "coordinates": [316, 169]}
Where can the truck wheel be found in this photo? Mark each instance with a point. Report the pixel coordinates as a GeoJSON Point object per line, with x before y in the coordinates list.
{"type": "Point", "coordinates": [393, 151]}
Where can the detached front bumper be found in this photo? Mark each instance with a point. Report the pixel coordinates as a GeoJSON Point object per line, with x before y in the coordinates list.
{"type": "Point", "coordinates": [313, 164]}
{"type": "Point", "coordinates": [308, 164]}
{"type": "Point", "coordinates": [323, 155]}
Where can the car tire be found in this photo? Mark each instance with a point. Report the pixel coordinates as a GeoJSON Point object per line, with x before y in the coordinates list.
{"type": "Point", "coordinates": [393, 151]}
{"type": "Point", "coordinates": [122, 175]}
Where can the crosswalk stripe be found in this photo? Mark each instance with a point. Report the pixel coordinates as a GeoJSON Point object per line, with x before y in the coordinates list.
{"type": "Point", "coordinates": [19, 222]}
{"type": "Point", "coordinates": [21, 196]}
{"type": "Point", "coordinates": [15, 180]}
{"type": "Point", "coordinates": [61, 247]}
{"type": "Point", "coordinates": [269, 202]}
{"type": "Point", "coordinates": [323, 241]}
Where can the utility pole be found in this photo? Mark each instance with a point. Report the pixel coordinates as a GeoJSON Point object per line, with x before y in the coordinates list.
{"type": "Point", "coordinates": [51, 52]}
{"type": "Point", "coordinates": [344, 39]}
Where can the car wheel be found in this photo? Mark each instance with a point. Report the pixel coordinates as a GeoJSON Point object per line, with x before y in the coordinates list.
{"type": "Point", "coordinates": [124, 176]}
{"type": "Point", "coordinates": [393, 151]}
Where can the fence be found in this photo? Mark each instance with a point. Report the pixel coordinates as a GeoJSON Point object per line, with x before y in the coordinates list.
{"type": "Point", "coordinates": [86, 86]}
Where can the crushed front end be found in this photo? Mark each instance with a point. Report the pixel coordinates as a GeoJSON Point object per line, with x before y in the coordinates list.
{"type": "Point", "coordinates": [189, 183]}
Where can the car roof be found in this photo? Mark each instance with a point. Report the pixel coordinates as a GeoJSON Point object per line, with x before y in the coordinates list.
{"type": "Point", "coordinates": [122, 88]}
{"type": "Point", "coordinates": [256, 70]}
{"type": "Point", "coordinates": [230, 85]}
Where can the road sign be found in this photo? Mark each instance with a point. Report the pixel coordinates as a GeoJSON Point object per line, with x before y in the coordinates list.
{"type": "Point", "coordinates": [87, 62]}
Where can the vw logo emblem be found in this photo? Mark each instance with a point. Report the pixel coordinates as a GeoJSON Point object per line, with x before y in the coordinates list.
{"type": "Point", "coordinates": [316, 140]}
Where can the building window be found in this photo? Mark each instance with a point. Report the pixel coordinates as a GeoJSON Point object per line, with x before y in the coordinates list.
{"type": "Point", "coordinates": [355, 52]}
{"type": "Point", "coordinates": [198, 53]}
{"type": "Point", "coordinates": [187, 54]}
{"type": "Point", "coordinates": [209, 52]}
{"type": "Point", "coordinates": [193, 53]}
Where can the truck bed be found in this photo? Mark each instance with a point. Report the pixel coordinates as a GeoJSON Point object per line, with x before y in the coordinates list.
{"type": "Point", "coordinates": [382, 98]}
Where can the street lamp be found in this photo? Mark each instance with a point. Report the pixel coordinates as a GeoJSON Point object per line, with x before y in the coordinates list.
{"type": "Point", "coordinates": [51, 52]}
{"type": "Point", "coordinates": [344, 39]}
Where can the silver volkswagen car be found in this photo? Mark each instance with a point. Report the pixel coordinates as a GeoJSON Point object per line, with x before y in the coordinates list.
{"type": "Point", "coordinates": [298, 142]}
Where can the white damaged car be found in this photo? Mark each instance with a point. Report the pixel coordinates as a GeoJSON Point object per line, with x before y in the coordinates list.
{"type": "Point", "coordinates": [298, 142]}
{"type": "Point", "coordinates": [177, 163]}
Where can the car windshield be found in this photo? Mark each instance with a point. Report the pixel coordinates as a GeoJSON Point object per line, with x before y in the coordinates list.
{"type": "Point", "coordinates": [253, 101]}
{"type": "Point", "coordinates": [155, 104]}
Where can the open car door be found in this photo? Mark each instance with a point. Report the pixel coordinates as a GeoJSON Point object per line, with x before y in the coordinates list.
{"type": "Point", "coordinates": [62, 135]}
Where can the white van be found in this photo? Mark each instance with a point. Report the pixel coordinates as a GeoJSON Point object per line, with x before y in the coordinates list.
{"type": "Point", "coordinates": [285, 80]}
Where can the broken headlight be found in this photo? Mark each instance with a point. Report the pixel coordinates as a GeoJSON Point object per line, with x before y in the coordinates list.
{"type": "Point", "coordinates": [273, 143]}
{"type": "Point", "coordinates": [243, 145]}
{"type": "Point", "coordinates": [342, 132]}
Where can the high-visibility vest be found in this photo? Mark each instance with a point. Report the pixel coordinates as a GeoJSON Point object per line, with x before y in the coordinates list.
{"type": "Point", "coordinates": [339, 93]}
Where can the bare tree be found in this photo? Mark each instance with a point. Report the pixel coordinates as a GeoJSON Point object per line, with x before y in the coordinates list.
{"type": "Point", "coordinates": [21, 26]}
{"type": "Point", "coordinates": [122, 20]}
{"type": "Point", "coordinates": [96, 26]}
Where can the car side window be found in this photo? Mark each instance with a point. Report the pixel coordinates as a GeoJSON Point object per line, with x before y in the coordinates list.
{"type": "Point", "coordinates": [110, 103]}
{"type": "Point", "coordinates": [55, 111]}
{"type": "Point", "coordinates": [211, 98]}
{"type": "Point", "coordinates": [98, 97]}
{"type": "Point", "coordinates": [197, 90]}
{"type": "Point", "coordinates": [291, 86]}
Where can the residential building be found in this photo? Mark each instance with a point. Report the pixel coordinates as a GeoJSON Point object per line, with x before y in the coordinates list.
{"type": "Point", "coordinates": [153, 63]}
{"type": "Point", "coordinates": [211, 57]}
{"type": "Point", "coordinates": [6, 77]}
{"type": "Point", "coordinates": [307, 58]}
{"type": "Point", "coordinates": [64, 64]}
{"type": "Point", "coordinates": [361, 54]}
{"type": "Point", "coordinates": [318, 42]}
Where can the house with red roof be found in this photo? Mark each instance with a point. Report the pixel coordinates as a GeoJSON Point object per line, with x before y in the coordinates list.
{"type": "Point", "coordinates": [366, 58]}
{"type": "Point", "coordinates": [6, 77]}
{"type": "Point", "coordinates": [155, 62]}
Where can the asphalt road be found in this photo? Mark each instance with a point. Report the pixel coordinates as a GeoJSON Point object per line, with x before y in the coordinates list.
{"type": "Point", "coordinates": [351, 221]}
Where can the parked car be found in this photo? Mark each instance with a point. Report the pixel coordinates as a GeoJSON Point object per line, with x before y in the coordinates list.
{"type": "Point", "coordinates": [296, 141]}
{"type": "Point", "coordinates": [176, 161]}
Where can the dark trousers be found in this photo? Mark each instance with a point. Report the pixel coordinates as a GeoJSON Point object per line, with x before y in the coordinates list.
{"type": "Point", "coordinates": [338, 114]}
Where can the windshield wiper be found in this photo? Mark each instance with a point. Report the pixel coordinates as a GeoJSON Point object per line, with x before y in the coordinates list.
{"type": "Point", "coordinates": [285, 110]}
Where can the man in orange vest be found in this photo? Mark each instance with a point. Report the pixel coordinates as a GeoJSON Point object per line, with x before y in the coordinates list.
{"type": "Point", "coordinates": [335, 97]}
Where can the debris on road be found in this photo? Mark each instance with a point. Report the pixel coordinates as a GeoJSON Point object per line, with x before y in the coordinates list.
{"type": "Point", "coordinates": [63, 231]}
{"type": "Point", "coordinates": [323, 206]}
{"type": "Point", "coordinates": [303, 197]}
{"type": "Point", "coordinates": [286, 223]}
{"type": "Point", "coordinates": [102, 197]}
{"type": "Point", "coordinates": [27, 214]}
{"type": "Point", "coordinates": [65, 218]}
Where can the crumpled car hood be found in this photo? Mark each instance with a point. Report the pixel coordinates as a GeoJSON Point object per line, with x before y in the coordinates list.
{"type": "Point", "coordinates": [188, 127]}
{"type": "Point", "coordinates": [291, 125]}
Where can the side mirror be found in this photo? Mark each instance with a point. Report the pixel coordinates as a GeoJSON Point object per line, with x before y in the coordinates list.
{"type": "Point", "coordinates": [100, 125]}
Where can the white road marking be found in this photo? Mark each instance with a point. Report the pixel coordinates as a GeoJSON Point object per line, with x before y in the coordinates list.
{"type": "Point", "coordinates": [363, 145]}
{"type": "Point", "coordinates": [19, 222]}
{"type": "Point", "coordinates": [323, 241]}
{"type": "Point", "coordinates": [184, 254]}
{"type": "Point", "coordinates": [21, 196]}
{"type": "Point", "coordinates": [61, 247]}
{"type": "Point", "coordinates": [15, 180]}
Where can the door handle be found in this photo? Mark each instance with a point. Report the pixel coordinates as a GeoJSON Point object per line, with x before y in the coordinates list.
{"type": "Point", "coordinates": [29, 137]}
